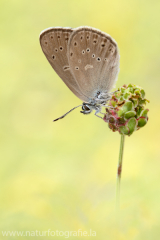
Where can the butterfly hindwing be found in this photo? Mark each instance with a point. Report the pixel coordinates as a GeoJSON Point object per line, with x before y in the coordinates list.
{"type": "Point", "coordinates": [94, 60]}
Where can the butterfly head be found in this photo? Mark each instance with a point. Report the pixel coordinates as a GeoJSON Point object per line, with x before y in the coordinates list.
{"type": "Point", "coordinates": [88, 108]}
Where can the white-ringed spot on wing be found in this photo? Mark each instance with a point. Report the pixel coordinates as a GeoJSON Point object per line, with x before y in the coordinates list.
{"type": "Point", "coordinates": [65, 68]}
{"type": "Point", "coordinates": [111, 49]}
{"type": "Point", "coordinates": [88, 66]}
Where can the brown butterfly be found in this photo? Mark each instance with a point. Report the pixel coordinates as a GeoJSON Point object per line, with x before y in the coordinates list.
{"type": "Point", "coordinates": [86, 59]}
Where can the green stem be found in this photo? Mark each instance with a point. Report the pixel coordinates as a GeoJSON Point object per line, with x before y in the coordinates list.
{"type": "Point", "coordinates": [119, 171]}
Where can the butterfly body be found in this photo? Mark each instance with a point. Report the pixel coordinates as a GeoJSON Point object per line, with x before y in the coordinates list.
{"type": "Point", "coordinates": [86, 59]}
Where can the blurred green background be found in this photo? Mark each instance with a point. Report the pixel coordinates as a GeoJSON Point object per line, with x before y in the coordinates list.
{"type": "Point", "coordinates": [62, 176]}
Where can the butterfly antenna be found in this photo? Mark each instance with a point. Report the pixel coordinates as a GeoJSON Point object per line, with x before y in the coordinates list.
{"type": "Point", "coordinates": [66, 113]}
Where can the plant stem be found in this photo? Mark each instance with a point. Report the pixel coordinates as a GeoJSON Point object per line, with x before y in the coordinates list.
{"type": "Point", "coordinates": [119, 171]}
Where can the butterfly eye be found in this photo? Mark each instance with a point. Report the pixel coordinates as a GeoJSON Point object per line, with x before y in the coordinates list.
{"type": "Point", "coordinates": [71, 54]}
{"type": "Point", "coordinates": [87, 50]}
{"type": "Point", "coordinates": [93, 55]}
{"type": "Point", "coordinates": [98, 59]}
{"type": "Point", "coordinates": [87, 37]}
{"type": "Point", "coordinates": [83, 52]}
{"type": "Point", "coordinates": [77, 68]}
{"type": "Point", "coordinates": [102, 45]}
{"type": "Point", "coordinates": [56, 50]}
{"type": "Point", "coordinates": [85, 108]}
{"type": "Point", "coordinates": [95, 41]}
{"type": "Point", "coordinates": [75, 44]}
{"type": "Point", "coordinates": [53, 57]}
{"type": "Point", "coordinates": [61, 48]}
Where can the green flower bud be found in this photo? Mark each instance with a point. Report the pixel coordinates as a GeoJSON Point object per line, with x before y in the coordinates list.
{"type": "Point", "coordinates": [142, 122]}
{"type": "Point", "coordinates": [129, 114]}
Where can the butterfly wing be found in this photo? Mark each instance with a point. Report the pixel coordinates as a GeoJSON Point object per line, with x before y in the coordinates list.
{"type": "Point", "coordinates": [54, 43]}
{"type": "Point", "coordinates": [94, 60]}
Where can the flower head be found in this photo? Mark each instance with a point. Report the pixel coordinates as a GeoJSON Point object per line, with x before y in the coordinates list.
{"type": "Point", "coordinates": [126, 111]}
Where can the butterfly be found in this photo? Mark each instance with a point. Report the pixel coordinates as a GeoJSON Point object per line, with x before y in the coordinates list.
{"type": "Point", "coordinates": [86, 59]}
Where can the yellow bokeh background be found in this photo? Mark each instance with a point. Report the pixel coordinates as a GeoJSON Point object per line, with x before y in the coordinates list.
{"type": "Point", "coordinates": [62, 175]}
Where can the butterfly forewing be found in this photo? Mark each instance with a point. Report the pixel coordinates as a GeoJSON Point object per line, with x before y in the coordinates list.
{"type": "Point", "coordinates": [94, 60]}
{"type": "Point", "coordinates": [54, 43]}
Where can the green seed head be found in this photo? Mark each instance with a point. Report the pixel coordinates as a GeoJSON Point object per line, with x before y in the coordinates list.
{"type": "Point", "coordinates": [126, 111]}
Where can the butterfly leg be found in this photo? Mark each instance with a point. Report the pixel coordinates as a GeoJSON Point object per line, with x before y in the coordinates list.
{"type": "Point", "coordinates": [107, 106]}
{"type": "Point", "coordinates": [98, 116]}
{"type": "Point", "coordinates": [98, 111]}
